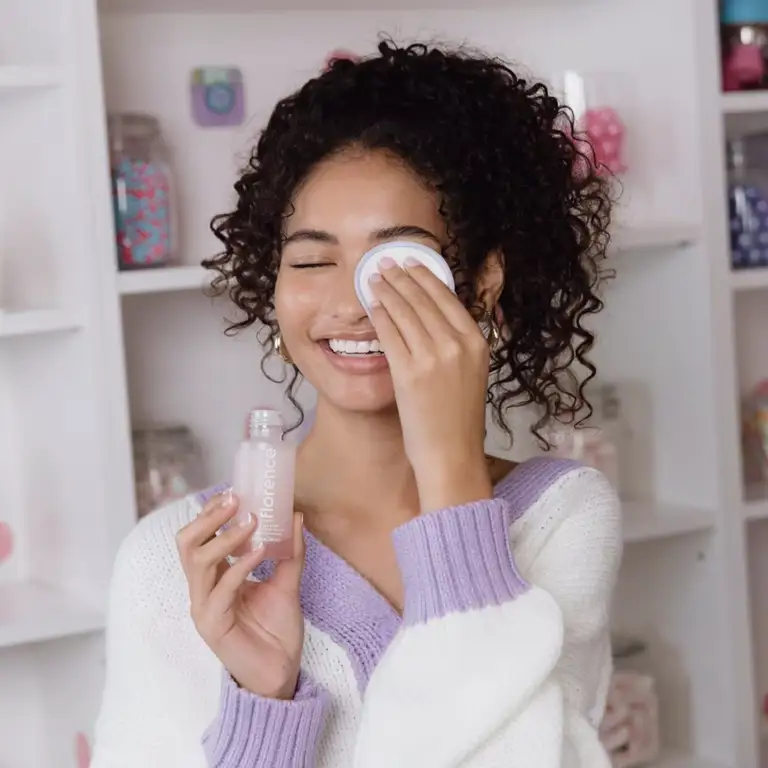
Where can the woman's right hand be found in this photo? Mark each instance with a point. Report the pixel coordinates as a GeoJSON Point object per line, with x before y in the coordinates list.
{"type": "Point", "coordinates": [256, 629]}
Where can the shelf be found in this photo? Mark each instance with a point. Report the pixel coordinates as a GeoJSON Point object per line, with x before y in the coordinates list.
{"type": "Point", "coordinates": [163, 280]}
{"type": "Point", "coordinates": [657, 237]}
{"type": "Point", "coordinates": [683, 760]}
{"type": "Point", "coordinates": [756, 502]}
{"type": "Point", "coordinates": [31, 613]}
{"type": "Point", "coordinates": [744, 102]}
{"type": "Point", "coordinates": [36, 321]}
{"type": "Point", "coordinates": [22, 78]}
{"type": "Point", "coordinates": [645, 521]}
{"type": "Point", "coordinates": [755, 279]}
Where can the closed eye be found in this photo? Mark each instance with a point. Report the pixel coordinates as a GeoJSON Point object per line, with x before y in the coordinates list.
{"type": "Point", "coordinates": [311, 266]}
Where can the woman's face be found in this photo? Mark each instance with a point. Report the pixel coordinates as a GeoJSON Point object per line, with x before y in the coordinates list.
{"type": "Point", "coordinates": [348, 204]}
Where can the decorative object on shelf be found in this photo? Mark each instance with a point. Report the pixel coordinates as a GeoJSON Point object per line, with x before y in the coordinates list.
{"type": "Point", "coordinates": [82, 751]}
{"type": "Point", "coordinates": [218, 96]}
{"type": "Point", "coordinates": [338, 55]}
{"type": "Point", "coordinates": [6, 542]}
{"type": "Point", "coordinates": [167, 465]}
{"type": "Point", "coordinates": [598, 117]}
{"type": "Point", "coordinates": [744, 44]}
{"type": "Point", "coordinates": [596, 446]}
{"type": "Point", "coordinates": [747, 203]}
{"type": "Point", "coordinates": [629, 730]}
{"type": "Point", "coordinates": [142, 192]}
{"type": "Point", "coordinates": [754, 435]}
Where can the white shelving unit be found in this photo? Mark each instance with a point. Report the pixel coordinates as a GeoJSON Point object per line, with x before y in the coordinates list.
{"type": "Point", "coordinates": [24, 78]}
{"type": "Point", "coordinates": [162, 280]}
{"type": "Point", "coordinates": [92, 350]}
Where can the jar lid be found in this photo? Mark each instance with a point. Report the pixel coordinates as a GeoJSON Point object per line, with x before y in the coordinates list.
{"type": "Point", "coordinates": [744, 12]}
{"type": "Point", "coordinates": [399, 250]}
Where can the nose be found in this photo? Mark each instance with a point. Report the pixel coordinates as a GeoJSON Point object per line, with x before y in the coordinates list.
{"type": "Point", "coordinates": [341, 300]}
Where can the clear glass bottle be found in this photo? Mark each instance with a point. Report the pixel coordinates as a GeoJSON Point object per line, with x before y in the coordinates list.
{"type": "Point", "coordinates": [747, 207]}
{"type": "Point", "coordinates": [167, 465]}
{"type": "Point", "coordinates": [142, 190]}
{"type": "Point", "coordinates": [264, 483]}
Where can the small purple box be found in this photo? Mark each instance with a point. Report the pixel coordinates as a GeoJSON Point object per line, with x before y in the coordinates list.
{"type": "Point", "coordinates": [218, 97]}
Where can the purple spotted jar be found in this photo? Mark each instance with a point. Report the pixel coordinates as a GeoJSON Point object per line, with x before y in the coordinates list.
{"type": "Point", "coordinates": [747, 205]}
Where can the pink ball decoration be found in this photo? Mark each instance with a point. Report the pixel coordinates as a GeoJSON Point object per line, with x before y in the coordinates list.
{"type": "Point", "coordinates": [6, 542]}
{"type": "Point", "coordinates": [606, 133]}
{"type": "Point", "coordinates": [82, 751]}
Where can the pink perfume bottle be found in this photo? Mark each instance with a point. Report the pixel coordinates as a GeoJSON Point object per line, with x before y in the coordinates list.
{"type": "Point", "coordinates": [264, 481]}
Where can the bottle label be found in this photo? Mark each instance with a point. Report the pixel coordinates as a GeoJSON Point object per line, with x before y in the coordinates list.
{"type": "Point", "coordinates": [269, 530]}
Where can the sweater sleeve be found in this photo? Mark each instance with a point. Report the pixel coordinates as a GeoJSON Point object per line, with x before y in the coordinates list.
{"type": "Point", "coordinates": [163, 683]}
{"type": "Point", "coordinates": [254, 732]}
{"type": "Point", "coordinates": [479, 675]}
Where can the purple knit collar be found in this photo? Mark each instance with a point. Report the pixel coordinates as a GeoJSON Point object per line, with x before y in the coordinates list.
{"type": "Point", "coordinates": [338, 600]}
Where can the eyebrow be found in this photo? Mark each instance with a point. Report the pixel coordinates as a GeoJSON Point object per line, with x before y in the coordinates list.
{"type": "Point", "coordinates": [388, 233]}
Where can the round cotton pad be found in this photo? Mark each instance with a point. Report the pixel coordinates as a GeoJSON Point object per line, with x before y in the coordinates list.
{"type": "Point", "coordinates": [399, 251]}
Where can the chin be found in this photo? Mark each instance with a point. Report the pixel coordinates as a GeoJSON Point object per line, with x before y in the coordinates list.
{"type": "Point", "coordinates": [358, 394]}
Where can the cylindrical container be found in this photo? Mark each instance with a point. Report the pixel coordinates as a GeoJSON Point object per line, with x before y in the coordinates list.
{"type": "Point", "coordinates": [747, 207]}
{"type": "Point", "coordinates": [398, 251]}
{"type": "Point", "coordinates": [142, 192]}
{"type": "Point", "coordinates": [167, 465]}
{"type": "Point", "coordinates": [744, 44]}
{"type": "Point", "coordinates": [264, 482]}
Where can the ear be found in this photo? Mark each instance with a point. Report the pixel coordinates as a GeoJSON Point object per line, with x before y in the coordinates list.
{"type": "Point", "coordinates": [491, 280]}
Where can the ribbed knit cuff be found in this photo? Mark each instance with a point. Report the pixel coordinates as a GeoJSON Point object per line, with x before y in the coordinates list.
{"type": "Point", "coordinates": [456, 559]}
{"type": "Point", "coordinates": [266, 733]}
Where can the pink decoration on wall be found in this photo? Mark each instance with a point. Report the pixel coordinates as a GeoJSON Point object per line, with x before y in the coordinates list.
{"type": "Point", "coordinates": [82, 751]}
{"type": "Point", "coordinates": [606, 133]}
{"type": "Point", "coordinates": [6, 542]}
{"type": "Point", "coordinates": [340, 53]}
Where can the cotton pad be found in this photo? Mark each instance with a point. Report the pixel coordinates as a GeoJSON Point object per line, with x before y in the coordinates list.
{"type": "Point", "coordinates": [398, 251]}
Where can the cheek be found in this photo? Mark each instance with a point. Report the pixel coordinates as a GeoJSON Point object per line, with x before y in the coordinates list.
{"type": "Point", "coordinates": [296, 306]}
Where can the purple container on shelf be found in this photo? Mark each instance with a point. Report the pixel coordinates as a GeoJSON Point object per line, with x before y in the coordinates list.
{"type": "Point", "coordinates": [748, 203]}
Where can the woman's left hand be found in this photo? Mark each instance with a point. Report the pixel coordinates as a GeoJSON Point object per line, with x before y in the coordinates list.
{"type": "Point", "coordinates": [439, 362]}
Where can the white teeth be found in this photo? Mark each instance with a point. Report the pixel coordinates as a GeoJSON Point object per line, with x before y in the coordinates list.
{"type": "Point", "coordinates": [348, 347]}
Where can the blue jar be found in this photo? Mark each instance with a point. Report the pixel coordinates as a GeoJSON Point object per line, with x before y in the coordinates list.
{"type": "Point", "coordinates": [747, 208]}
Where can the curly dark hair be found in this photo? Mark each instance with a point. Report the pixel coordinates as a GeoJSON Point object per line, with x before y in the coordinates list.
{"type": "Point", "coordinates": [500, 152]}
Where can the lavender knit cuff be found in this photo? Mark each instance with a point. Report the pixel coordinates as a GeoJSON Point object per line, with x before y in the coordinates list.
{"type": "Point", "coordinates": [456, 559]}
{"type": "Point", "coordinates": [266, 733]}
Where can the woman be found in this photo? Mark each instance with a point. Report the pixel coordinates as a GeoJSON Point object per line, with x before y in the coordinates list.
{"type": "Point", "coordinates": [441, 608]}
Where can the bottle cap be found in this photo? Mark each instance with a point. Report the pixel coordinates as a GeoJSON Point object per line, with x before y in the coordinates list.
{"type": "Point", "coordinates": [399, 251]}
{"type": "Point", "coordinates": [261, 417]}
{"type": "Point", "coordinates": [744, 12]}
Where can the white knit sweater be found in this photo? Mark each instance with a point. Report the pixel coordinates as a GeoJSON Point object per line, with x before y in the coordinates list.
{"type": "Point", "coordinates": [501, 657]}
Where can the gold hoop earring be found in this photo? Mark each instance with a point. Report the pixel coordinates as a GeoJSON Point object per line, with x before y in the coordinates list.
{"type": "Point", "coordinates": [491, 330]}
{"type": "Point", "coordinates": [280, 349]}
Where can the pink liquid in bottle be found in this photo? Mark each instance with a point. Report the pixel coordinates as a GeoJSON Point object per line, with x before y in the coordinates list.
{"type": "Point", "coordinates": [263, 481]}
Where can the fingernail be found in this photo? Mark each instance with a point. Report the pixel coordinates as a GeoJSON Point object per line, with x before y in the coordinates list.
{"type": "Point", "coordinates": [228, 498]}
{"type": "Point", "coordinates": [246, 521]}
{"type": "Point", "coordinates": [411, 261]}
{"type": "Point", "coordinates": [387, 262]}
{"type": "Point", "coordinates": [375, 278]}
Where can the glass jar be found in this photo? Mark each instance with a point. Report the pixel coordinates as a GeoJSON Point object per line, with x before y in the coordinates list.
{"type": "Point", "coordinates": [744, 44]}
{"type": "Point", "coordinates": [142, 192]}
{"type": "Point", "coordinates": [167, 465]}
{"type": "Point", "coordinates": [747, 206]}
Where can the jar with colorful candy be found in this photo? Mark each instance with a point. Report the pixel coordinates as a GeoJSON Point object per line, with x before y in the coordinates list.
{"type": "Point", "coordinates": [142, 192]}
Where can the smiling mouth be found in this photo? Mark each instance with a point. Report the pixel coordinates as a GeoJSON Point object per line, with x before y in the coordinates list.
{"type": "Point", "coordinates": [350, 348]}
